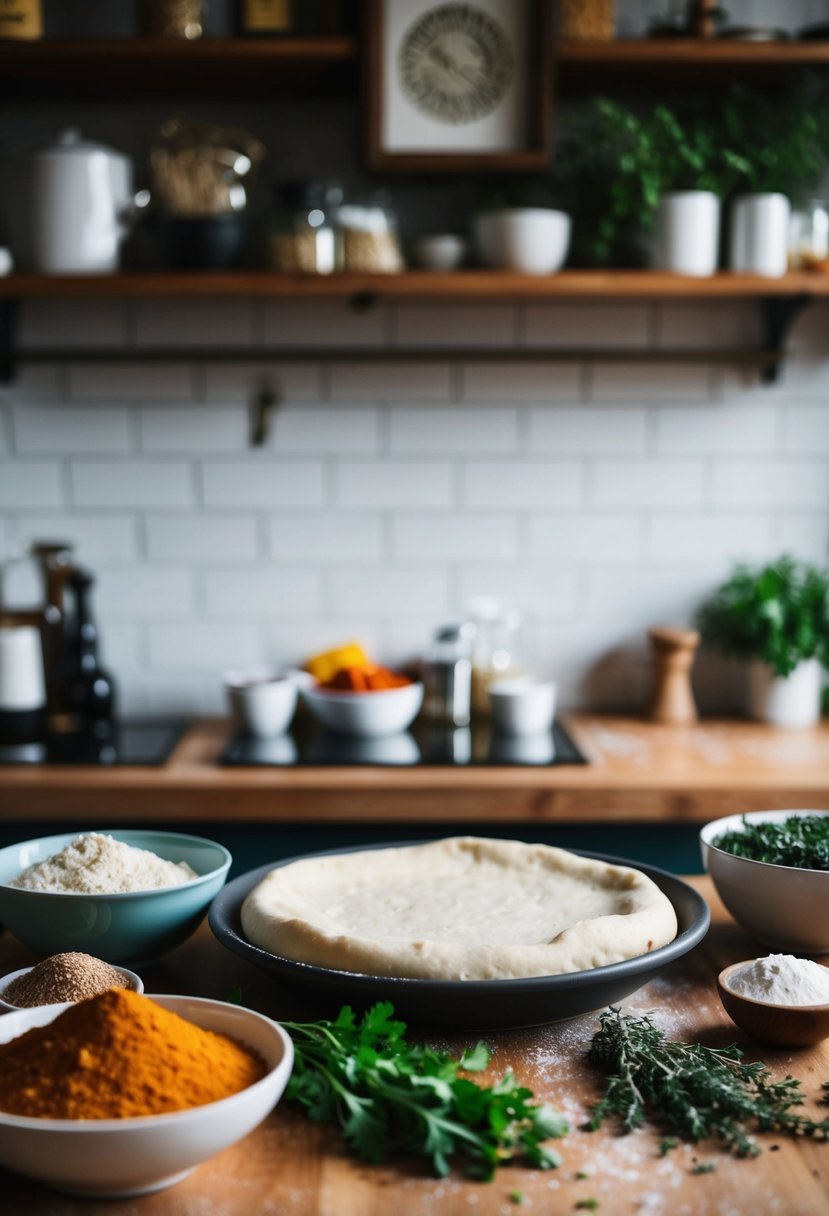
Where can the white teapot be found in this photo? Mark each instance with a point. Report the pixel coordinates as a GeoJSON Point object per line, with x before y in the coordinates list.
{"type": "Point", "coordinates": [77, 205]}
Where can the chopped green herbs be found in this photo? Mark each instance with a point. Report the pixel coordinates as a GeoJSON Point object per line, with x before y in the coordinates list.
{"type": "Point", "coordinates": [703, 1167]}
{"type": "Point", "coordinates": [801, 841]}
{"type": "Point", "coordinates": [590, 1204]}
{"type": "Point", "coordinates": [693, 1091]}
{"type": "Point", "coordinates": [668, 1142]}
{"type": "Point", "coordinates": [392, 1098]}
{"type": "Point", "coordinates": [516, 1196]}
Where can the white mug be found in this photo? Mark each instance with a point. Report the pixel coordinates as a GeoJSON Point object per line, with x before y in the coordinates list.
{"type": "Point", "coordinates": [22, 679]}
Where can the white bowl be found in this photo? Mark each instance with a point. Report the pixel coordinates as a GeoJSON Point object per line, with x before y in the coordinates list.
{"type": "Point", "coordinates": [109, 1158]}
{"type": "Point", "coordinates": [782, 906]}
{"type": "Point", "coordinates": [522, 706]}
{"type": "Point", "coordinates": [532, 240]}
{"type": "Point", "coordinates": [262, 700]}
{"type": "Point", "coordinates": [366, 714]}
{"type": "Point", "coordinates": [443, 251]}
{"type": "Point", "coordinates": [135, 983]}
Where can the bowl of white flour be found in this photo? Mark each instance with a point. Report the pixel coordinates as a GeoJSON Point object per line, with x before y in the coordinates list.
{"type": "Point", "coordinates": [123, 896]}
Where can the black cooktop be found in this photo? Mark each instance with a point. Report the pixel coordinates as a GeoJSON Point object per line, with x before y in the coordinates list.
{"type": "Point", "coordinates": [308, 745]}
{"type": "Point", "coordinates": [136, 741]}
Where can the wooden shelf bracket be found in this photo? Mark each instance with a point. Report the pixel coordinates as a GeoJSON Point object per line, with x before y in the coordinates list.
{"type": "Point", "coordinates": [779, 315]}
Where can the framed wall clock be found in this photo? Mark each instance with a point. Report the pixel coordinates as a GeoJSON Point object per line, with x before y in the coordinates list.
{"type": "Point", "coordinates": [457, 84]}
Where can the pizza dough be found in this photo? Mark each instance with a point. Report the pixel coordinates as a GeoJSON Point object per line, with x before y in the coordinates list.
{"type": "Point", "coordinates": [463, 908]}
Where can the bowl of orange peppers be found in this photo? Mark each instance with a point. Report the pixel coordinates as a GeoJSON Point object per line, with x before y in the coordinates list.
{"type": "Point", "coordinates": [363, 699]}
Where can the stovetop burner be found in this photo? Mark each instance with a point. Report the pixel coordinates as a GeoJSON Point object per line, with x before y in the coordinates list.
{"type": "Point", "coordinates": [308, 745]}
{"type": "Point", "coordinates": [137, 741]}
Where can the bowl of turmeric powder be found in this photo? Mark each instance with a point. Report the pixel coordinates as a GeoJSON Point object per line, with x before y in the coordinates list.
{"type": "Point", "coordinates": [367, 702]}
{"type": "Point", "coordinates": [124, 1094]}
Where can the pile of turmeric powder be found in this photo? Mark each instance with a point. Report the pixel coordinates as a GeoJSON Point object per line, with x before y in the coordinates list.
{"type": "Point", "coordinates": [117, 1055]}
{"type": "Point", "coordinates": [370, 677]}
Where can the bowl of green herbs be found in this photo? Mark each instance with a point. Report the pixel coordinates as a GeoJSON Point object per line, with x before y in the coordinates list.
{"type": "Point", "coordinates": [771, 870]}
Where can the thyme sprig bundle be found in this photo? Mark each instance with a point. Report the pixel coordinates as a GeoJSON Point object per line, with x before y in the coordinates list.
{"type": "Point", "coordinates": [693, 1091]}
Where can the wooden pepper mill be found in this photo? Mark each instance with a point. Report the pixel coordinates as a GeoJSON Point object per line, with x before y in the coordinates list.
{"type": "Point", "coordinates": [672, 701]}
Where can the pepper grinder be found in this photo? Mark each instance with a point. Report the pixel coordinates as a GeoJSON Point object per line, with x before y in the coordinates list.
{"type": "Point", "coordinates": [672, 700]}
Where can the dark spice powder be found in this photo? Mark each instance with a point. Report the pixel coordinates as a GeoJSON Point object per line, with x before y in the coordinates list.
{"type": "Point", "coordinates": [64, 977]}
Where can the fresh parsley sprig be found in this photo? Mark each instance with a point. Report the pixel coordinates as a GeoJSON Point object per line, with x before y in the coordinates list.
{"type": "Point", "coordinates": [801, 841]}
{"type": "Point", "coordinates": [694, 1091]}
{"type": "Point", "coordinates": [392, 1098]}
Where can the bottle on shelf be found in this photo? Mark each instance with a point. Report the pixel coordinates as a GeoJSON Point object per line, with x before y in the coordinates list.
{"type": "Point", "coordinates": [267, 18]}
{"type": "Point", "coordinates": [86, 691]}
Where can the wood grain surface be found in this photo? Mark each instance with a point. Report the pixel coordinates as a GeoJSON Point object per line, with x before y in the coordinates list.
{"type": "Point", "coordinates": [639, 772]}
{"type": "Point", "coordinates": [288, 1167]}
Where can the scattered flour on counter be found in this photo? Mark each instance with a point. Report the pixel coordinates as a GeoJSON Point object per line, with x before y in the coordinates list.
{"type": "Point", "coordinates": [97, 864]}
{"type": "Point", "coordinates": [782, 979]}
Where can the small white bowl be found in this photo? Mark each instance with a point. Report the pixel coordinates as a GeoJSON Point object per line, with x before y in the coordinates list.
{"type": "Point", "coordinates": [785, 907]}
{"type": "Point", "coordinates": [531, 240]}
{"type": "Point", "coordinates": [262, 700]}
{"type": "Point", "coordinates": [366, 714]}
{"type": "Point", "coordinates": [115, 1158]}
{"type": "Point", "coordinates": [135, 983]}
{"type": "Point", "coordinates": [522, 706]}
{"type": "Point", "coordinates": [442, 251]}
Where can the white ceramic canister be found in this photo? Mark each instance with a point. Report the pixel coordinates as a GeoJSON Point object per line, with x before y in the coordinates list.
{"type": "Point", "coordinates": [77, 203]}
{"type": "Point", "coordinates": [759, 234]}
{"type": "Point", "coordinates": [22, 684]}
{"type": "Point", "coordinates": [530, 240]}
{"type": "Point", "coordinates": [688, 232]}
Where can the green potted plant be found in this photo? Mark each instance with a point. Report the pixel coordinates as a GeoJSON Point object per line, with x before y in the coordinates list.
{"type": "Point", "coordinates": [776, 619]}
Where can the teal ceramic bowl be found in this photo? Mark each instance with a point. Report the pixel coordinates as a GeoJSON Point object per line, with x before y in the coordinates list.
{"type": "Point", "coordinates": [130, 928]}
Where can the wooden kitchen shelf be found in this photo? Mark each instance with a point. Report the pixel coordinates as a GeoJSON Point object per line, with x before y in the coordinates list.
{"type": "Point", "coordinates": [467, 284]}
{"type": "Point", "coordinates": [141, 67]}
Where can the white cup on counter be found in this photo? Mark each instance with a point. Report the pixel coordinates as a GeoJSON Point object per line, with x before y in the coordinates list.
{"type": "Point", "coordinates": [262, 699]}
{"type": "Point", "coordinates": [522, 706]}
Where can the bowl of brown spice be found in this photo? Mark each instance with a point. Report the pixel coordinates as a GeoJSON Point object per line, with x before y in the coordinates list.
{"type": "Point", "coordinates": [124, 1094]}
{"type": "Point", "coordinates": [68, 977]}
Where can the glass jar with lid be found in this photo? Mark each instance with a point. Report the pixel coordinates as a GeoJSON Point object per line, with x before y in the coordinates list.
{"type": "Point", "coordinates": [809, 235]}
{"type": "Point", "coordinates": [448, 675]}
{"type": "Point", "coordinates": [368, 226]}
{"type": "Point", "coordinates": [303, 234]}
{"type": "Point", "coordinates": [496, 652]}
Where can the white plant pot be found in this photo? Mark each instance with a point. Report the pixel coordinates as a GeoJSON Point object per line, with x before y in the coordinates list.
{"type": "Point", "coordinates": [531, 240]}
{"type": "Point", "coordinates": [688, 232]}
{"type": "Point", "coordinates": [785, 701]}
{"type": "Point", "coordinates": [759, 234]}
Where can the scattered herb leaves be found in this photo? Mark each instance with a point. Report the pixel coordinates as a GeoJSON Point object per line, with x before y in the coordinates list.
{"type": "Point", "coordinates": [393, 1098]}
{"type": "Point", "coordinates": [694, 1091]}
{"type": "Point", "coordinates": [590, 1204]}
{"type": "Point", "coordinates": [703, 1167]}
{"type": "Point", "coordinates": [667, 1143]}
{"type": "Point", "coordinates": [516, 1197]}
{"type": "Point", "coordinates": [801, 841]}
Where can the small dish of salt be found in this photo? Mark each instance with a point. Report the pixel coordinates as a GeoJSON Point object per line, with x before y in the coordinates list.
{"type": "Point", "coordinates": [780, 999]}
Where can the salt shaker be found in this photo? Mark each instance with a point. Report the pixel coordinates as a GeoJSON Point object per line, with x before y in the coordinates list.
{"type": "Point", "coordinates": [448, 675]}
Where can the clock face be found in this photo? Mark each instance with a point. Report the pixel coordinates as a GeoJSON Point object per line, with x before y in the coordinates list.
{"type": "Point", "coordinates": [455, 63]}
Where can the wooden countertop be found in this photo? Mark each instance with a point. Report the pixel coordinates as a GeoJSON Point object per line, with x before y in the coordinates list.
{"type": "Point", "coordinates": [290, 1167]}
{"type": "Point", "coordinates": [638, 772]}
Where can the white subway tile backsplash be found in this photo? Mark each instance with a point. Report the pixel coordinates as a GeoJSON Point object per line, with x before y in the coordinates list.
{"type": "Point", "coordinates": [806, 430]}
{"type": "Point", "coordinates": [647, 483]}
{"type": "Point", "coordinates": [29, 483]}
{"type": "Point", "coordinates": [62, 324]}
{"type": "Point", "coordinates": [804, 535]}
{"type": "Point", "coordinates": [132, 483]}
{"type": "Point", "coordinates": [717, 429]}
{"type": "Point", "coordinates": [97, 539]}
{"type": "Point", "coordinates": [199, 539]}
{"type": "Point", "coordinates": [431, 324]}
{"type": "Point", "coordinates": [204, 646]}
{"type": "Point", "coordinates": [185, 429]}
{"type": "Point", "coordinates": [205, 322]}
{"type": "Point", "coordinates": [436, 538]}
{"type": "Point", "coordinates": [584, 540]}
{"type": "Point", "coordinates": [765, 484]}
{"type": "Point", "coordinates": [264, 483]}
{"type": "Point", "coordinates": [279, 591]}
{"type": "Point", "coordinates": [650, 381]}
{"type": "Point", "coordinates": [33, 382]}
{"type": "Point", "coordinates": [120, 651]}
{"type": "Point", "coordinates": [290, 643]}
{"type": "Point", "coordinates": [390, 593]}
{"type": "Point", "coordinates": [236, 383]}
{"type": "Point", "coordinates": [531, 381]}
{"type": "Point", "coordinates": [682, 539]}
{"type": "Point", "coordinates": [517, 484]}
{"type": "Point", "coordinates": [585, 325]}
{"type": "Point", "coordinates": [71, 428]}
{"type": "Point", "coordinates": [313, 429]}
{"type": "Point", "coordinates": [117, 382]}
{"type": "Point", "coordinates": [446, 429]}
{"type": "Point", "coordinates": [143, 593]}
{"type": "Point", "coordinates": [320, 323]}
{"type": "Point", "coordinates": [584, 430]}
{"type": "Point", "coordinates": [391, 381]}
{"type": "Point", "coordinates": [708, 323]}
{"type": "Point", "coordinates": [325, 538]}
{"type": "Point", "coordinates": [394, 483]}
{"type": "Point", "coordinates": [548, 591]}
{"type": "Point", "coordinates": [638, 599]}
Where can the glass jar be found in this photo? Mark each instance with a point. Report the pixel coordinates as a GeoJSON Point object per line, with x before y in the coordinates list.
{"type": "Point", "coordinates": [809, 235]}
{"type": "Point", "coordinates": [448, 675]}
{"type": "Point", "coordinates": [369, 236]}
{"type": "Point", "coordinates": [303, 236]}
{"type": "Point", "coordinates": [496, 652]}
{"type": "Point", "coordinates": [172, 18]}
